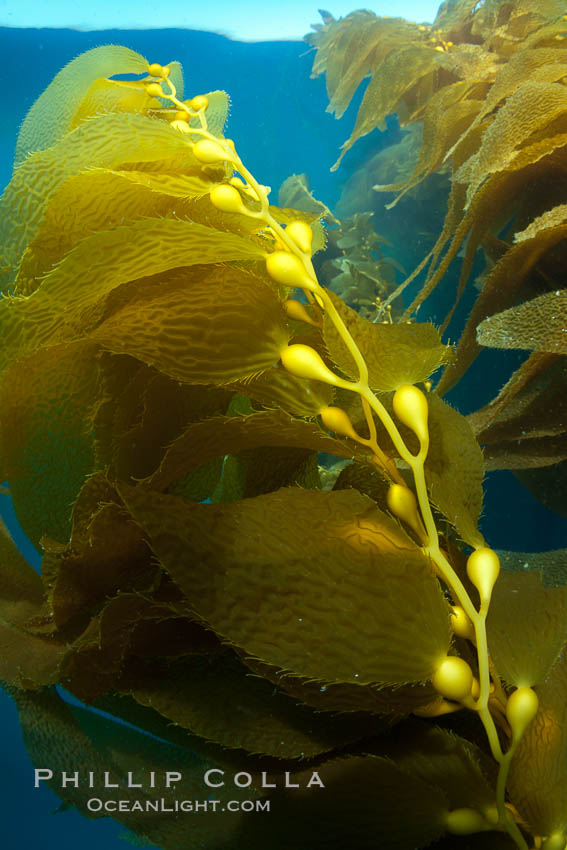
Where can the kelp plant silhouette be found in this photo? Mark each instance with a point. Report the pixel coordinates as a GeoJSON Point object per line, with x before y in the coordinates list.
{"type": "Point", "coordinates": [159, 395]}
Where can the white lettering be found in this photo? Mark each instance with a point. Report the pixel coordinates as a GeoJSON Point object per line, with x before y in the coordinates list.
{"type": "Point", "coordinates": [265, 783]}
{"type": "Point", "coordinates": [107, 782]}
{"type": "Point", "coordinates": [288, 783]}
{"type": "Point", "coordinates": [42, 775]}
{"type": "Point", "coordinates": [315, 780]}
{"type": "Point", "coordinates": [70, 779]}
{"type": "Point", "coordinates": [209, 773]}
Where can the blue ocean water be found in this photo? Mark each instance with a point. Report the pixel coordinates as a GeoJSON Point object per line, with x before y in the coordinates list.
{"type": "Point", "coordinates": [278, 119]}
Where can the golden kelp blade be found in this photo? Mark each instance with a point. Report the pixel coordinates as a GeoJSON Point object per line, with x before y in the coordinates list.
{"type": "Point", "coordinates": [107, 141]}
{"type": "Point", "coordinates": [438, 756]}
{"type": "Point", "coordinates": [46, 450]}
{"type": "Point", "coordinates": [295, 194]}
{"type": "Point", "coordinates": [455, 469]}
{"type": "Point", "coordinates": [455, 15]}
{"type": "Point", "coordinates": [390, 82]}
{"type": "Point", "coordinates": [278, 388]}
{"type": "Point", "coordinates": [550, 566]}
{"type": "Point", "coordinates": [395, 354]}
{"type": "Point", "coordinates": [123, 96]}
{"type": "Point", "coordinates": [502, 283]}
{"type": "Point", "coordinates": [130, 430]}
{"type": "Point", "coordinates": [391, 703]}
{"type": "Point", "coordinates": [445, 115]}
{"type": "Point", "coordinates": [537, 64]}
{"type": "Point", "coordinates": [217, 112]}
{"type": "Point", "coordinates": [538, 776]}
{"type": "Point", "coordinates": [99, 199]}
{"type": "Point", "coordinates": [213, 327]}
{"type": "Point", "coordinates": [524, 426]}
{"type": "Point", "coordinates": [380, 617]}
{"type": "Point", "coordinates": [530, 109]}
{"type": "Point", "coordinates": [100, 264]}
{"type": "Point", "coordinates": [220, 435]}
{"type": "Point", "coordinates": [495, 107]}
{"type": "Point", "coordinates": [526, 626]}
{"type": "Point", "coordinates": [106, 555]}
{"type": "Point", "coordinates": [52, 114]}
{"type": "Point", "coordinates": [364, 797]}
{"type": "Point", "coordinates": [199, 693]}
{"type": "Point", "coordinates": [537, 325]}
{"type": "Point", "coordinates": [351, 47]}
{"type": "Point", "coordinates": [113, 96]}
{"type": "Point", "coordinates": [26, 660]}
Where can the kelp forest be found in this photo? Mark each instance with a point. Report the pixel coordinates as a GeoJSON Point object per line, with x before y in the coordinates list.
{"type": "Point", "coordinates": [224, 426]}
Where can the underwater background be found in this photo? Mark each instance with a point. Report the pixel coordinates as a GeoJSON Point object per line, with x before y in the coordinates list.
{"type": "Point", "coordinates": [279, 121]}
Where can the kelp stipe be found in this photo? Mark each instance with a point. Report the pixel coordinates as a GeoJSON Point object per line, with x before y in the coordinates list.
{"type": "Point", "coordinates": [154, 359]}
